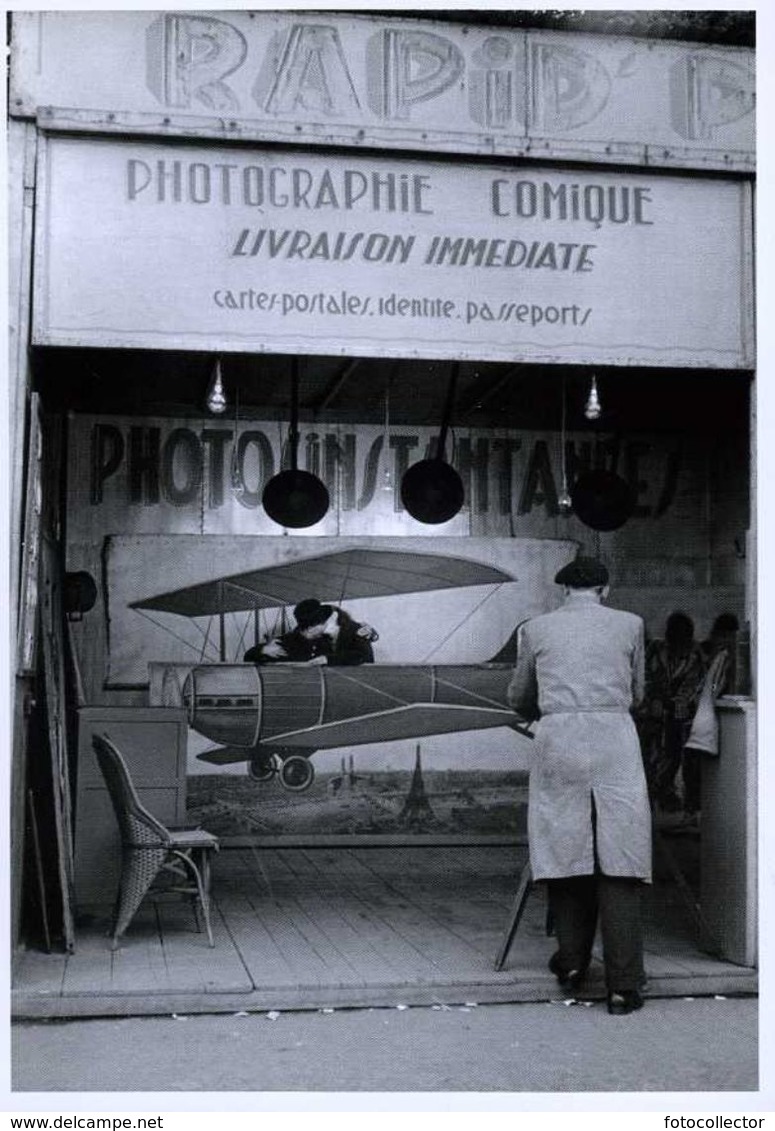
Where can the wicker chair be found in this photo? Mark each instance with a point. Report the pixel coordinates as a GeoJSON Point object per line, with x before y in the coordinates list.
{"type": "Point", "coordinates": [150, 851]}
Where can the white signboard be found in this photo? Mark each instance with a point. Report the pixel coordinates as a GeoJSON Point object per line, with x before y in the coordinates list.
{"type": "Point", "coordinates": [283, 251]}
{"type": "Point", "coordinates": [329, 78]}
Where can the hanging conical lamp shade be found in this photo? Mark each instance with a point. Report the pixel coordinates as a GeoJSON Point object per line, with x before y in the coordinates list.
{"type": "Point", "coordinates": [431, 490]}
{"type": "Point", "coordinates": [602, 500]}
{"type": "Point", "coordinates": [295, 498]}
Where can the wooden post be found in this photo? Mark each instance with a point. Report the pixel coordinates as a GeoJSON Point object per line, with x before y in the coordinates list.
{"type": "Point", "coordinates": [22, 151]}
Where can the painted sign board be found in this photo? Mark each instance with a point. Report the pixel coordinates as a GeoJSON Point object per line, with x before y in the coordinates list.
{"type": "Point", "coordinates": [212, 248]}
{"type": "Point", "coordinates": [201, 477]}
{"type": "Point", "coordinates": [326, 78]}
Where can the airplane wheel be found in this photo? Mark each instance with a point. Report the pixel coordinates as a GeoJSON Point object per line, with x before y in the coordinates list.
{"type": "Point", "coordinates": [262, 769]}
{"type": "Point", "coordinates": [297, 773]}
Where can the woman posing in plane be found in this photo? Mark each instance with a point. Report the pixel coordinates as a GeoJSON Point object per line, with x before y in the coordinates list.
{"type": "Point", "coordinates": [323, 634]}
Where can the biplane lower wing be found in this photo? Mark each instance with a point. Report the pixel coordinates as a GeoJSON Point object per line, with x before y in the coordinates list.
{"type": "Point", "coordinates": [414, 720]}
{"type": "Point", "coordinates": [226, 755]}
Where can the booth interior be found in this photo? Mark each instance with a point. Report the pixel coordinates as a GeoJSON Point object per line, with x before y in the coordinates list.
{"type": "Point", "coordinates": [152, 514]}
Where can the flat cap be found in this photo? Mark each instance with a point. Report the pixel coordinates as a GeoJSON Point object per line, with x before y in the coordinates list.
{"type": "Point", "coordinates": [582, 573]}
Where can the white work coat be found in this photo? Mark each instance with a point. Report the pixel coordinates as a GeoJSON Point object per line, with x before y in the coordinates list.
{"type": "Point", "coordinates": [582, 668]}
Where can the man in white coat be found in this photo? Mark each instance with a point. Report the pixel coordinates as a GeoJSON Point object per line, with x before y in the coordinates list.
{"type": "Point", "coordinates": [580, 670]}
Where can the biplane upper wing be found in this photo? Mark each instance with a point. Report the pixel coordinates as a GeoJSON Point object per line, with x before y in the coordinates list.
{"type": "Point", "coordinates": [350, 574]}
{"type": "Point", "coordinates": [414, 720]}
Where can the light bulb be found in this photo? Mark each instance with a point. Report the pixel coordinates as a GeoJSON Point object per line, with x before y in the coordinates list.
{"type": "Point", "coordinates": [216, 397]}
{"type": "Point", "coordinates": [592, 408]}
{"type": "Point", "coordinates": [565, 502]}
{"type": "Point", "coordinates": [387, 480]}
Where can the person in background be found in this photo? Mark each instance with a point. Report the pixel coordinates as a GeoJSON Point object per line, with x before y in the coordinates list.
{"type": "Point", "coordinates": [323, 634]}
{"type": "Point", "coordinates": [720, 653]}
{"type": "Point", "coordinates": [675, 670]}
{"type": "Point", "coordinates": [580, 670]}
{"type": "Point", "coordinates": [722, 642]}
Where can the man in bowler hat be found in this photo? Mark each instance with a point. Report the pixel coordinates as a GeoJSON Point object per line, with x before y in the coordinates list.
{"type": "Point", "coordinates": [580, 671]}
{"type": "Point", "coordinates": [323, 634]}
{"type": "Point", "coordinates": [334, 637]}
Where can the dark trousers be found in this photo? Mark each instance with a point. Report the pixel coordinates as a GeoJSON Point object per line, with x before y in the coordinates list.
{"type": "Point", "coordinates": [575, 904]}
{"type": "Point", "coordinates": [662, 748]}
{"type": "Point", "coordinates": [691, 770]}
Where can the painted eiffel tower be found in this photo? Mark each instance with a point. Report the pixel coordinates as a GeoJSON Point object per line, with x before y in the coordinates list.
{"type": "Point", "coordinates": [417, 808]}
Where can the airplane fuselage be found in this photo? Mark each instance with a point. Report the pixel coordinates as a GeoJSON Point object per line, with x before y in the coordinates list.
{"type": "Point", "coordinates": [245, 705]}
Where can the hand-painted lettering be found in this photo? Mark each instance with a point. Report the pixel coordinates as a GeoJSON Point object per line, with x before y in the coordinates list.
{"type": "Point", "coordinates": [189, 56]}
{"type": "Point", "coordinates": [211, 468]}
{"type": "Point", "coordinates": [410, 67]}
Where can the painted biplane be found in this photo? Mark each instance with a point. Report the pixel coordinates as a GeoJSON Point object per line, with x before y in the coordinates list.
{"type": "Point", "coordinates": [275, 716]}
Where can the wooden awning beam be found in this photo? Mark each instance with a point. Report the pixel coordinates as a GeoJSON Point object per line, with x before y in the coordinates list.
{"type": "Point", "coordinates": [335, 386]}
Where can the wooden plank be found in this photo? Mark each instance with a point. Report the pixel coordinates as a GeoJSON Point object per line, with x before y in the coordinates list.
{"type": "Point", "coordinates": [308, 906]}
{"type": "Point", "coordinates": [342, 913]}
{"type": "Point", "coordinates": [39, 873]}
{"type": "Point", "coordinates": [478, 922]}
{"type": "Point", "coordinates": [262, 874]}
{"type": "Point", "coordinates": [29, 579]}
{"type": "Point", "coordinates": [733, 980]}
{"type": "Point", "coordinates": [470, 909]}
{"type": "Point", "coordinates": [334, 966]}
{"type": "Point", "coordinates": [266, 964]}
{"type": "Point", "coordinates": [464, 911]}
{"type": "Point", "coordinates": [52, 618]}
{"type": "Point", "coordinates": [442, 875]}
{"type": "Point", "coordinates": [373, 840]}
{"type": "Point", "coordinates": [349, 940]}
{"type": "Point", "coordinates": [473, 860]}
{"type": "Point", "coordinates": [441, 951]}
{"type": "Point", "coordinates": [272, 867]}
{"type": "Point", "coordinates": [306, 964]}
{"type": "Point", "coordinates": [461, 905]}
{"type": "Point", "coordinates": [191, 963]}
{"type": "Point", "coordinates": [467, 896]}
{"type": "Point", "coordinates": [378, 919]}
{"type": "Point", "coordinates": [440, 866]}
{"type": "Point", "coordinates": [368, 948]}
{"type": "Point", "coordinates": [22, 144]}
{"type": "Point", "coordinates": [39, 974]}
{"type": "Point", "coordinates": [137, 966]}
{"type": "Point", "coordinates": [423, 920]}
{"type": "Point", "coordinates": [517, 912]}
{"type": "Point", "coordinates": [277, 923]}
{"type": "Point", "coordinates": [657, 965]}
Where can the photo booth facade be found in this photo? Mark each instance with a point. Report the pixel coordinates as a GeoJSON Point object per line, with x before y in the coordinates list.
{"type": "Point", "coordinates": [376, 202]}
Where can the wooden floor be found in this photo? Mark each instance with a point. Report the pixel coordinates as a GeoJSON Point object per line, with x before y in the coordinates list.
{"type": "Point", "coordinates": [301, 928]}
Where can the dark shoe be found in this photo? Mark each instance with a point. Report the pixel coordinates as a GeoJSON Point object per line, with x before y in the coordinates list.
{"type": "Point", "coordinates": [570, 980]}
{"type": "Point", "coordinates": [625, 1001]}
